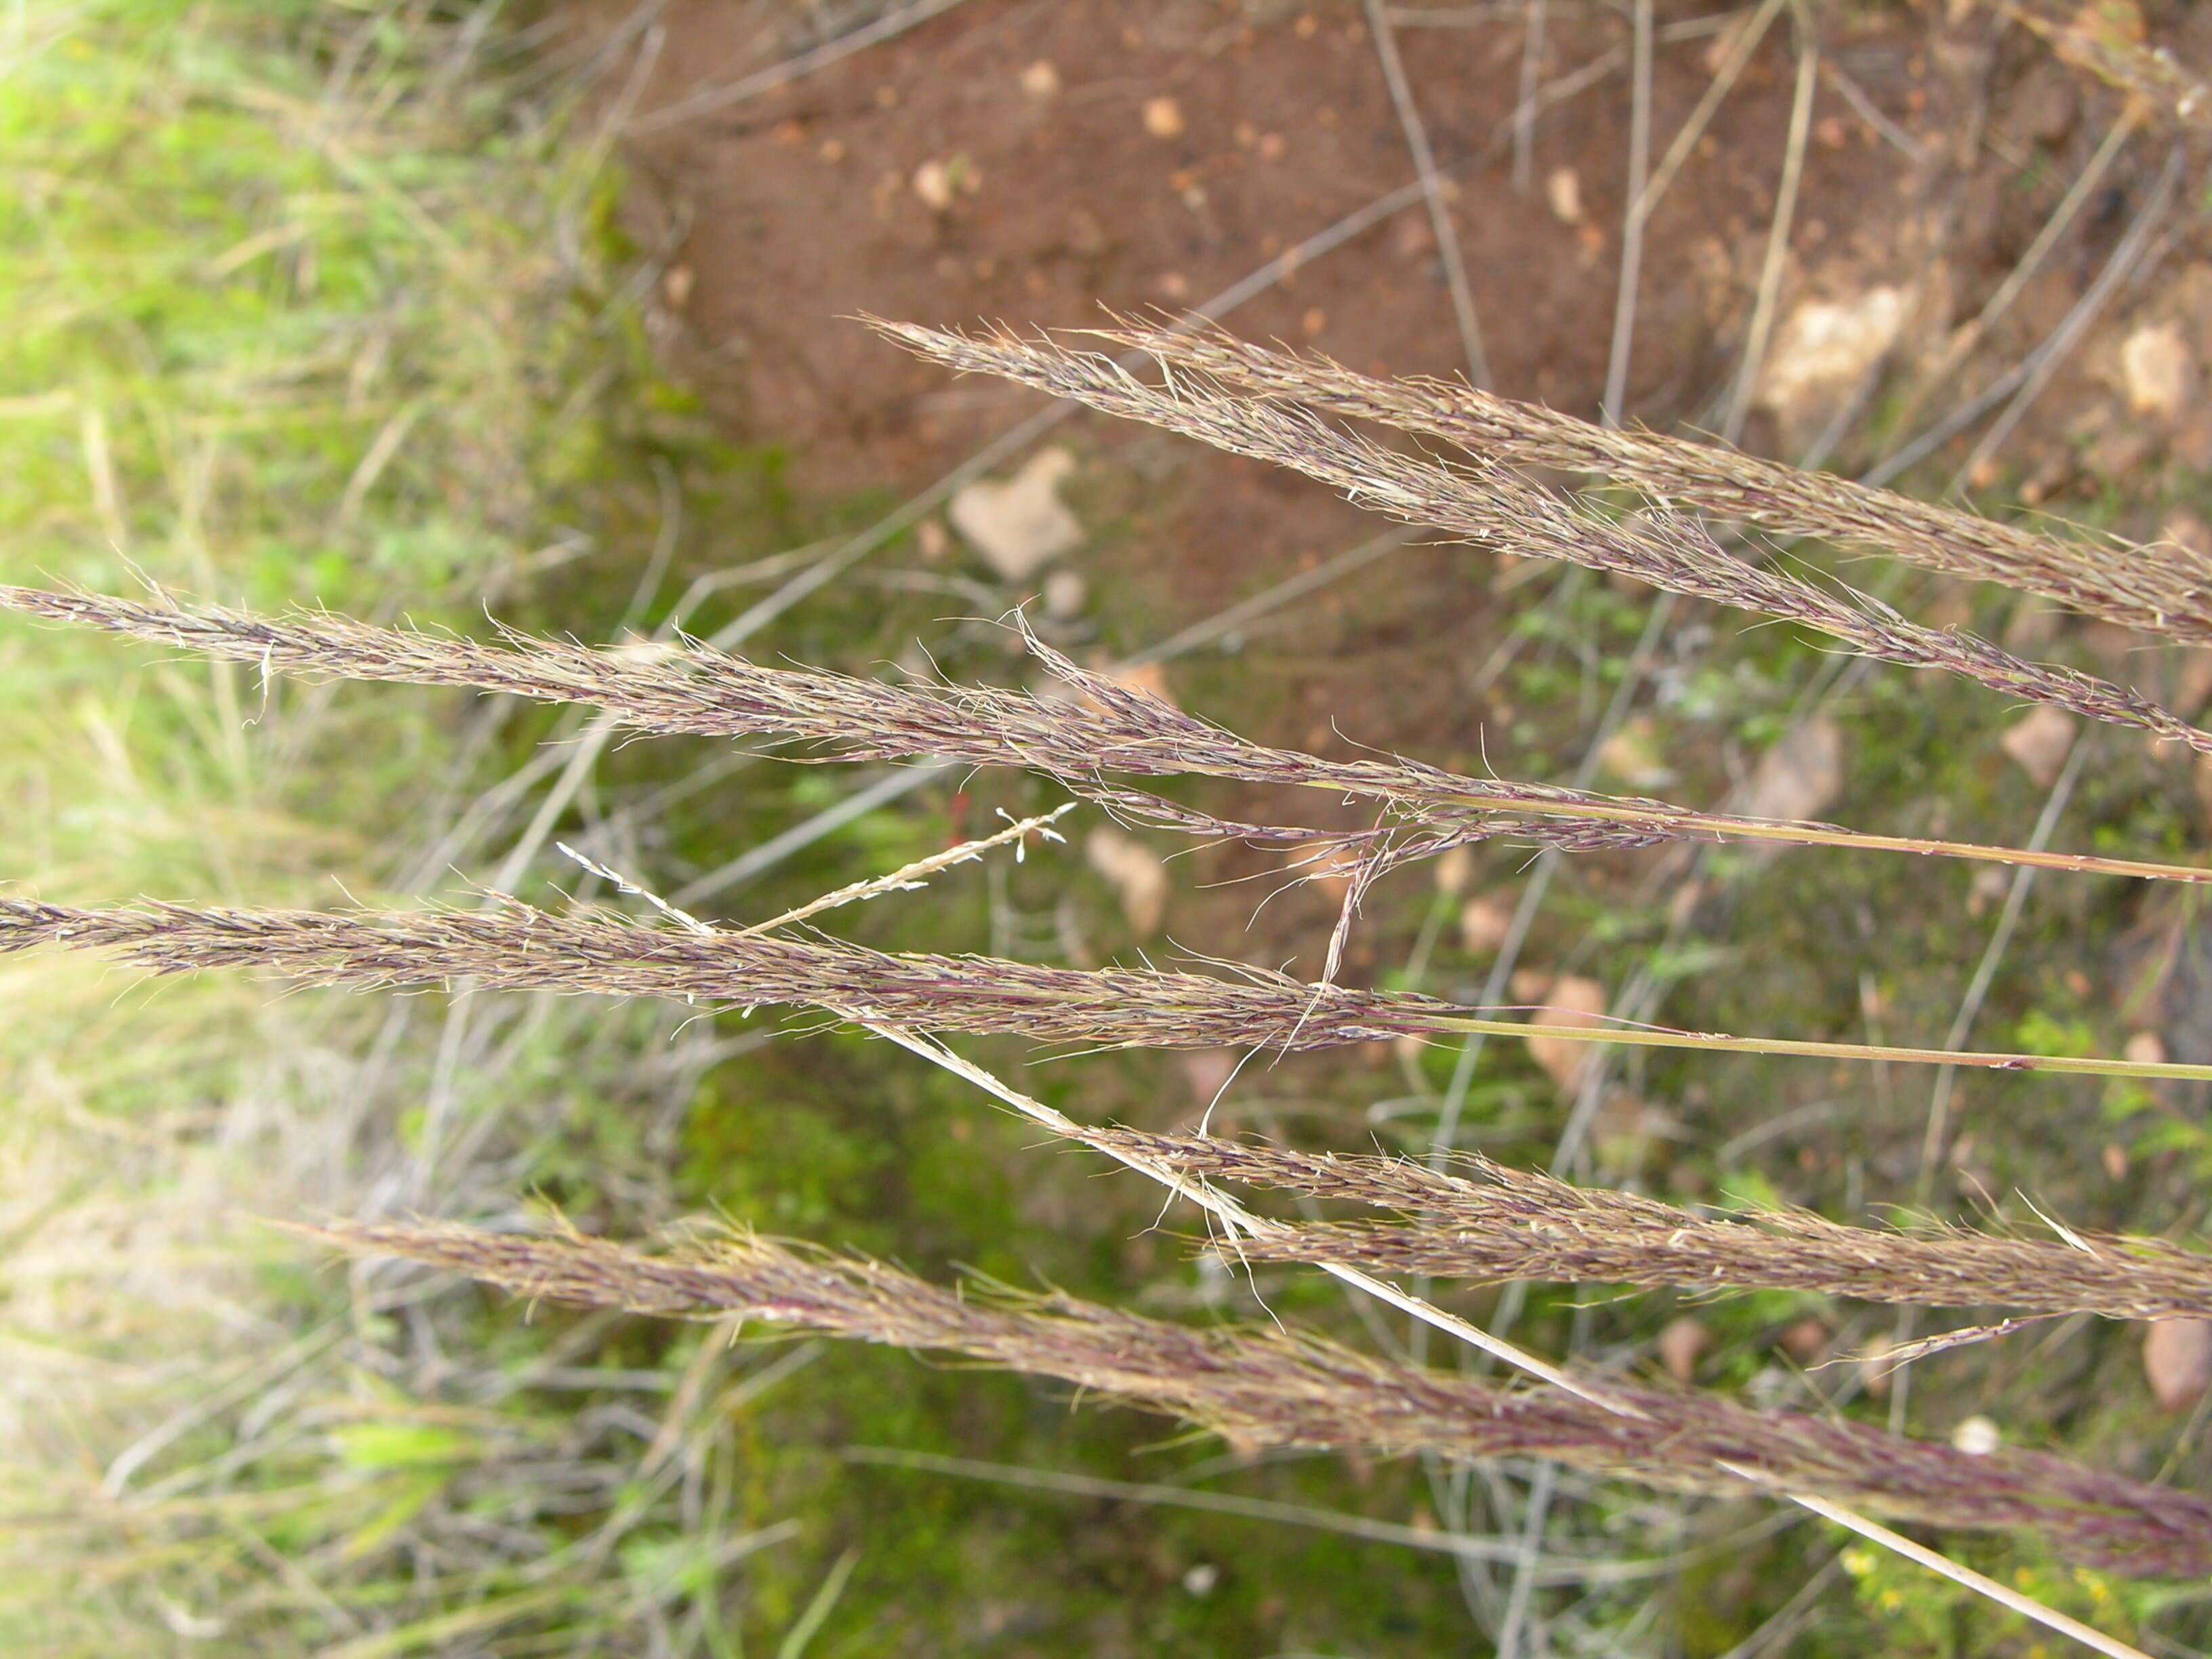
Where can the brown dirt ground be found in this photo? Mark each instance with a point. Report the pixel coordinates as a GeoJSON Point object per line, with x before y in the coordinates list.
{"type": "Point", "coordinates": [801, 211]}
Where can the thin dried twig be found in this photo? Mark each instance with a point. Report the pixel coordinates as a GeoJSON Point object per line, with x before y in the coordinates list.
{"type": "Point", "coordinates": [707, 100]}
{"type": "Point", "coordinates": [1464, 315]}
{"type": "Point", "coordinates": [2051, 355]}
{"type": "Point", "coordinates": [910, 876]}
{"type": "Point", "coordinates": [1645, 193]}
{"type": "Point", "coordinates": [1777, 236]}
{"type": "Point", "coordinates": [1270, 1388]}
{"type": "Point", "coordinates": [1104, 727]}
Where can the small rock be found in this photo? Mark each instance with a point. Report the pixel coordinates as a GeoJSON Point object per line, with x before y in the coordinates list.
{"type": "Point", "coordinates": [2040, 743]}
{"type": "Point", "coordinates": [2145, 1048]}
{"type": "Point", "coordinates": [1484, 924]}
{"type": "Point", "coordinates": [1801, 776]}
{"type": "Point", "coordinates": [1201, 1579]}
{"type": "Point", "coordinates": [1041, 81]}
{"type": "Point", "coordinates": [1136, 874]}
{"type": "Point", "coordinates": [1163, 118]}
{"type": "Point", "coordinates": [2178, 1360]}
{"type": "Point", "coordinates": [1065, 594]}
{"type": "Point", "coordinates": [1563, 189]}
{"type": "Point", "coordinates": [932, 183]}
{"type": "Point", "coordinates": [1573, 1002]}
{"type": "Point", "coordinates": [2114, 1158]}
{"type": "Point", "coordinates": [1825, 349]}
{"type": "Point", "coordinates": [1682, 1344]}
{"type": "Point", "coordinates": [2155, 363]}
{"type": "Point", "coordinates": [931, 541]}
{"type": "Point", "coordinates": [676, 285]}
{"type": "Point", "coordinates": [1021, 525]}
{"type": "Point", "coordinates": [1976, 1436]}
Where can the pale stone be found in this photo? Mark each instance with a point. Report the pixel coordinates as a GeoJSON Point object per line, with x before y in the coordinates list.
{"type": "Point", "coordinates": [1020, 526]}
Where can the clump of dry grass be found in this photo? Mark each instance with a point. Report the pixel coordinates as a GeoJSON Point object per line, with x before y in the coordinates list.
{"type": "Point", "coordinates": [517, 947]}
{"type": "Point", "coordinates": [1099, 726]}
{"type": "Point", "coordinates": [2167, 589]}
{"type": "Point", "coordinates": [1277, 1387]}
{"type": "Point", "coordinates": [1490, 1223]}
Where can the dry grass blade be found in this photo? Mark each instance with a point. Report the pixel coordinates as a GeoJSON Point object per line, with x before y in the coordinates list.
{"type": "Point", "coordinates": [1106, 727]}
{"type": "Point", "coordinates": [1491, 1223]}
{"type": "Point", "coordinates": [911, 876]}
{"type": "Point", "coordinates": [2163, 588]}
{"type": "Point", "coordinates": [515, 947]}
{"type": "Point", "coordinates": [1270, 1388]}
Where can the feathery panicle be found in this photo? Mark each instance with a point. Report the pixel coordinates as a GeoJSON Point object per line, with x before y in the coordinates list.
{"type": "Point", "coordinates": [1492, 1224]}
{"type": "Point", "coordinates": [1097, 726]}
{"type": "Point", "coordinates": [1494, 508]}
{"type": "Point", "coordinates": [2161, 588]}
{"type": "Point", "coordinates": [515, 947]}
{"type": "Point", "coordinates": [518, 948]}
{"type": "Point", "coordinates": [1272, 1387]}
